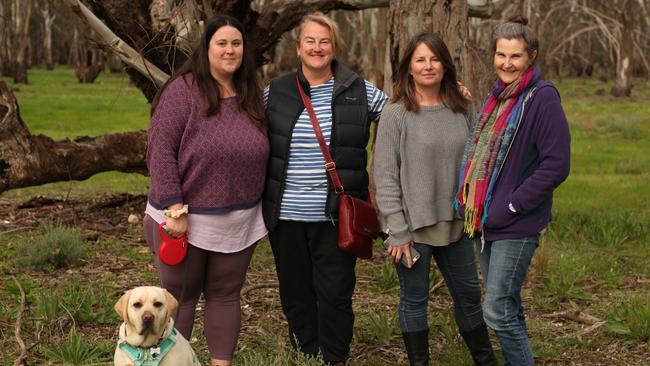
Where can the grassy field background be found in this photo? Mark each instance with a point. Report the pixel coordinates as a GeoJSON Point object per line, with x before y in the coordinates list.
{"type": "Point", "coordinates": [594, 260]}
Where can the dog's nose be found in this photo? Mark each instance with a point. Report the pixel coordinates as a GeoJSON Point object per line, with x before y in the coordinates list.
{"type": "Point", "coordinates": [147, 319]}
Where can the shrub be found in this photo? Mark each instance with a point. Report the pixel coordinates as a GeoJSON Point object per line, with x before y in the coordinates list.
{"type": "Point", "coordinates": [53, 247]}
{"type": "Point", "coordinates": [75, 350]}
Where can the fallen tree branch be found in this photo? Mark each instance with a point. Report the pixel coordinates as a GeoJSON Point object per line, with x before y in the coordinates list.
{"type": "Point", "coordinates": [29, 160]}
{"type": "Point", "coordinates": [17, 325]}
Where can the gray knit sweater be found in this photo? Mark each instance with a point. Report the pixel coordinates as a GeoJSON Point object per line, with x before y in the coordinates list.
{"type": "Point", "coordinates": [416, 165]}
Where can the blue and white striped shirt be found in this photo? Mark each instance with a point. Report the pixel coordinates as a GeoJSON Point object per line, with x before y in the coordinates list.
{"type": "Point", "coordinates": [305, 191]}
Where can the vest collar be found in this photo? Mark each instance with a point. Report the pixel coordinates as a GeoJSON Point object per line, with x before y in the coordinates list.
{"type": "Point", "coordinates": [343, 78]}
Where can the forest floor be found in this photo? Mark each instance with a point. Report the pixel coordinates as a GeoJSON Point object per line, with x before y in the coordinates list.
{"type": "Point", "coordinates": [567, 330]}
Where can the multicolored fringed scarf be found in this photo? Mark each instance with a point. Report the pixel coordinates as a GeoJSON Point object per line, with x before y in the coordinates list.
{"type": "Point", "coordinates": [490, 140]}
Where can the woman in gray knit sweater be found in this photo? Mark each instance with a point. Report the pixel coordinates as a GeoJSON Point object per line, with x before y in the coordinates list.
{"type": "Point", "coordinates": [418, 152]}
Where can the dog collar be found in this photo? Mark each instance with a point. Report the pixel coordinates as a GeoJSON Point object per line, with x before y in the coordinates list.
{"type": "Point", "coordinates": [149, 356]}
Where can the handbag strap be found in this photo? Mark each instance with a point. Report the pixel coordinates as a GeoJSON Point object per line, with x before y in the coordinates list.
{"type": "Point", "coordinates": [329, 162]}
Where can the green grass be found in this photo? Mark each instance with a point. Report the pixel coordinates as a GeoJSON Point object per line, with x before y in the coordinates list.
{"type": "Point", "coordinates": [56, 105]}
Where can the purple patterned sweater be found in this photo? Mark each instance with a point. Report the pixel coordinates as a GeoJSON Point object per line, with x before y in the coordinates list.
{"type": "Point", "coordinates": [214, 164]}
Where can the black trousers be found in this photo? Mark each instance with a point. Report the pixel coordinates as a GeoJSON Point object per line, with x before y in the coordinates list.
{"type": "Point", "coordinates": [316, 285]}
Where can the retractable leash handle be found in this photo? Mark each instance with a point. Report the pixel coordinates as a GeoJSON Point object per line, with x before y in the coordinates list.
{"type": "Point", "coordinates": [172, 250]}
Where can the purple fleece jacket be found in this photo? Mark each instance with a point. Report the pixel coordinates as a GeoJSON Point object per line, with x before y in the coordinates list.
{"type": "Point", "coordinates": [537, 163]}
{"type": "Point", "coordinates": [214, 164]}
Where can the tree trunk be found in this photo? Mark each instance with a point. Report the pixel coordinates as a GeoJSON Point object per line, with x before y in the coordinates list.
{"type": "Point", "coordinates": [5, 40]}
{"type": "Point", "coordinates": [448, 19]}
{"type": "Point", "coordinates": [28, 160]}
{"type": "Point", "coordinates": [22, 14]}
{"type": "Point", "coordinates": [366, 33]}
{"type": "Point", "coordinates": [88, 63]}
{"type": "Point", "coordinates": [48, 21]}
{"type": "Point", "coordinates": [623, 82]}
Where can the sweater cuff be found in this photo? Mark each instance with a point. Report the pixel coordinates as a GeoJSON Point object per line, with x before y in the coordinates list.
{"type": "Point", "coordinates": [170, 201]}
{"type": "Point", "coordinates": [398, 240]}
{"type": "Point", "coordinates": [398, 230]}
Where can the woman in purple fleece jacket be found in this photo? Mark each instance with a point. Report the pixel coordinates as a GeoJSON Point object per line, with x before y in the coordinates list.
{"type": "Point", "coordinates": [517, 155]}
{"type": "Point", "coordinates": [207, 152]}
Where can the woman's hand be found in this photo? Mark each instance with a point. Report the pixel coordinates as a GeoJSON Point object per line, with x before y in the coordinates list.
{"type": "Point", "coordinates": [464, 91]}
{"type": "Point", "coordinates": [397, 251]}
{"type": "Point", "coordinates": [176, 227]}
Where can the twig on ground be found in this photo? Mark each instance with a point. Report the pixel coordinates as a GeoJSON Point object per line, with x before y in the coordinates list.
{"type": "Point", "coordinates": [437, 286]}
{"type": "Point", "coordinates": [634, 281]}
{"type": "Point", "coordinates": [23, 350]}
{"type": "Point", "coordinates": [591, 328]}
{"type": "Point", "coordinates": [15, 229]}
{"type": "Point", "coordinates": [245, 291]}
{"type": "Point", "coordinates": [576, 316]}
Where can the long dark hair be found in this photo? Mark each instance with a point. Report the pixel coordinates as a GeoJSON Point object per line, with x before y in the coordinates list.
{"type": "Point", "coordinates": [404, 86]}
{"type": "Point", "coordinates": [246, 81]}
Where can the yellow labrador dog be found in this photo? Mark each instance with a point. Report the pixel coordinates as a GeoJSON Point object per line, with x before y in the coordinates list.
{"type": "Point", "coordinates": [147, 335]}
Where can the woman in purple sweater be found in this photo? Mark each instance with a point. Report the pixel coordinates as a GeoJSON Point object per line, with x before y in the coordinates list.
{"type": "Point", "coordinates": [207, 152]}
{"type": "Point", "coordinates": [517, 155]}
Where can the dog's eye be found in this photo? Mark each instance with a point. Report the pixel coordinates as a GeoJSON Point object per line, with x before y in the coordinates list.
{"type": "Point", "coordinates": [137, 305]}
{"type": "Point", "coordinates": [158, 304]}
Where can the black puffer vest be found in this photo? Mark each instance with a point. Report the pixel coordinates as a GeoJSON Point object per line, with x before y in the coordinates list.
{"type": "Point", "coordinates": [350, 133]}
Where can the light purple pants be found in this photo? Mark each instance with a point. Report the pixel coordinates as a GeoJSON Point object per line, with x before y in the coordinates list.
{"type": "Point", "coordinates": [219, 276]}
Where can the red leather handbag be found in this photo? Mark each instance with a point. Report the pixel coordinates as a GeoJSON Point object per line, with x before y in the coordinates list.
{"type": "Point", "coordinates": [172, 250]}
{"type": "Point", "coordinates": [358, 225]}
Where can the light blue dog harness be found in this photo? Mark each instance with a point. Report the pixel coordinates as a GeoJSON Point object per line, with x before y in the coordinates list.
{"type": "Point", "coordinates": [153, 355]}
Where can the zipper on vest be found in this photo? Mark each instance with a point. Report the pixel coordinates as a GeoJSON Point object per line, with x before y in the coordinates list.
{"type": "Point", "coordinates": [328, 202]}
{"type": "Point", "coordinates": [332, 220]}
{"type": "Point", "coordinates": [283, 182]}
{"type": "Point", "coordinates": [482, 241]}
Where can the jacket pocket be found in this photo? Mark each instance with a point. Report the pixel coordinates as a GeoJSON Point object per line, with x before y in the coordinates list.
{"type": "Point", "coordinates": [499, 215]}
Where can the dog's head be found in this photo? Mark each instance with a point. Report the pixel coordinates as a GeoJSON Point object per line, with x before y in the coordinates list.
{"type": "Point", "coordinates": [146, 310]}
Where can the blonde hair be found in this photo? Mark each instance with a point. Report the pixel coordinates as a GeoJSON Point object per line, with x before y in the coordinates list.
{"type": "Point", "coordinates": [327, 22]}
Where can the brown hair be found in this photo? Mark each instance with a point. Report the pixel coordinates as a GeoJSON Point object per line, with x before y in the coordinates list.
{"type": "Point", "coordinates": [246, 81]}
{"type": "Point", "coordinates": [404, 87]}
{"type": "Point", "coordinates": [327, 22]}
{"type": "Point", "coordinates": [517, 28]}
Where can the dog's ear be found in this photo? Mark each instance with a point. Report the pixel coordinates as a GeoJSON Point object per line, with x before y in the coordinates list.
{"type": "Point", "coordinates": [172, 304]}
{"type": "Point", "coordinates": [122, 306]}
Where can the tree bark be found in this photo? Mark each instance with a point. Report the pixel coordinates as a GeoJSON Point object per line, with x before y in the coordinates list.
{"type": "Point", "coordinates": [48, 21]}
{"type": "Point", "coordinates": [623, 82]}
{"type": "Point", "coordinates": [22, 14]}
{"type": "Point", "coordinates": [448, 19]}
{"type": "Point", "coordinates": [28, 160]}
{"type": "Point", "coordinates": [5, 40]}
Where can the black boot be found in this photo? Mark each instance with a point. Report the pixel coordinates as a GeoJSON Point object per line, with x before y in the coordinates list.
{"type": "Point", "coordinates": [479, 345]}
{"type": "Point", "coordinates": [417, 347]}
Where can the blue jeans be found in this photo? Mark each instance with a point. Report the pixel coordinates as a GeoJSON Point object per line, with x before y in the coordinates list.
{"type": "Point", "coordinates": [504, 265]}
{"type": "Point", "coordinates": [457, 264]}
